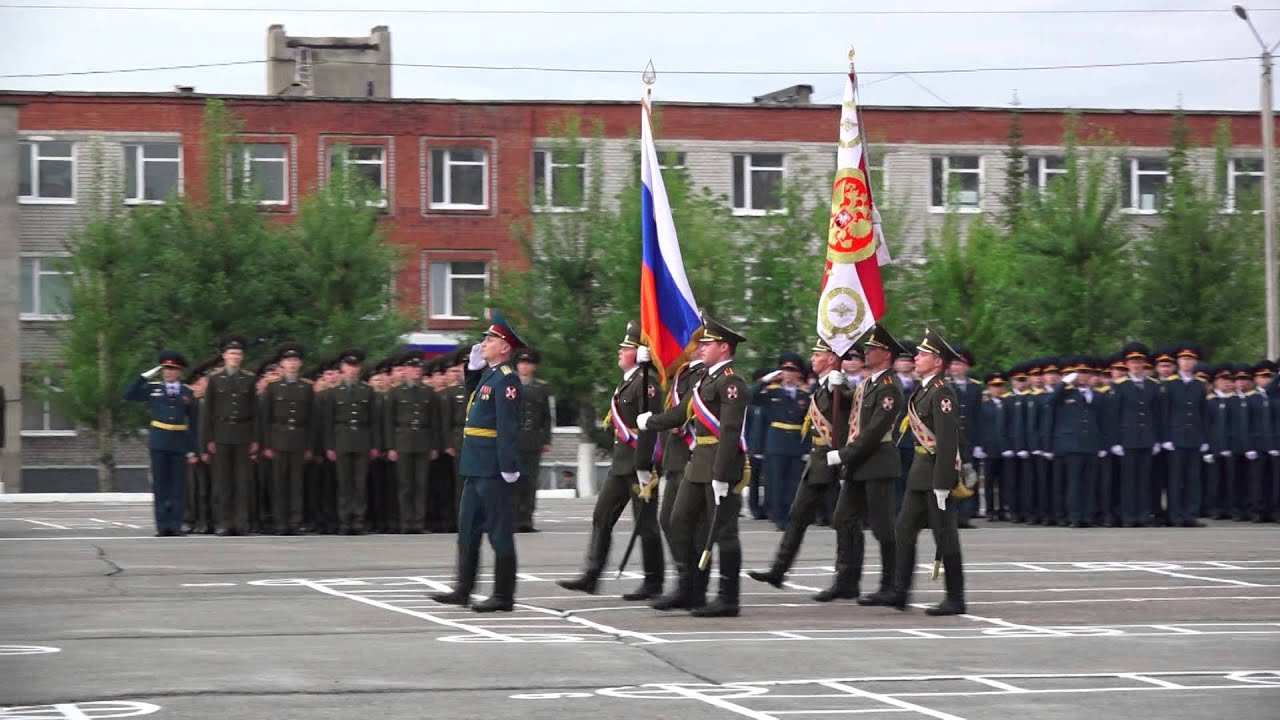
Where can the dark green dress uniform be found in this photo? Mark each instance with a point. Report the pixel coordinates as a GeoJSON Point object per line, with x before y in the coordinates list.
{"type": "Point", "coordinates": [352, 425]}
{"type": "Point", "coordinates": [412, 417]}
{"type": "Point", "coordinates": [934, 412]}
{"type": "Point", "coordinates": [446, 485]}
{"type": "Point", "coordinates": [199, 508]}
{"type": "Point", "coordinates": [489, 463]}
{"type": "Point", "coordinates": [632, 452]}
{"type": "Point", "coordinates": [820, 485]}
{"type": "Point", "coordinates": [171, 440]}
{"type": "Point", "coordinates": [677, 445]}
{"type": "Point", "coordinates": [227, 421]}
{"type": "Point", "coordinates": [535, 434]}
{"type": "Point", "coordinates": [718, 407]}
{"type": "Point", "coordinates": [288, 405]}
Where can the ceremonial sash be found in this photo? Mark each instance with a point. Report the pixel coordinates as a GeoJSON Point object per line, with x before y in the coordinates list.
{"type": "Point", "coordinates": [815, 420]}
{"type": "Point", "coordinates": [620, 429]}
{"type": "Point", "coordinates": [924, 436]}
{"type": "Point", "coordinates": [709, 420]}
{"type": "Point", "coordinates": [855, 413]}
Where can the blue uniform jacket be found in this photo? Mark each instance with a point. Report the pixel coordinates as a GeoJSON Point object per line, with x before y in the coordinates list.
{"type": "Point", "coordinates": [1262, 428]}
{"type": "Point", "coordinates": [490, 441]}
{"type": "Point", "coordinates": [173, 419]}
{"type": "Point", "coordinates": [782, 419]}
{"type": "Point", "coordinates": [970, 397]}
{"type": "Point", "coordinates": [995, 425]}
{"type": "Point", "coordinates": [1183, 412]}
{"type": "Point", "coordinates": [1135, 413]}
{"type": "Point", "coordinates": [1076, 422]}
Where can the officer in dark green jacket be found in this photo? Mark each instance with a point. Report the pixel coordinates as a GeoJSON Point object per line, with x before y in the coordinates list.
{"type": "Point", "coordinates": [489, 464]}
{"type": "Point", "coordinates": [535, 437]}
{"type": "Point", "coordinates": [288, 405]}
{"type": "Point", "coordinates": [678, 444]}
{"type": "Point", "coordinates": [352, 426]}
{"type": "Point", "coordinates": [933, 413]}
{"type": "Point", "coordinates": [411, 417]}
{"type": "Point", "coordinates": [227, 434]}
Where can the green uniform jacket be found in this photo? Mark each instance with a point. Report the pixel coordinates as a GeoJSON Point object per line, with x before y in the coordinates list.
{"type": "Point", "coordinates": [227, 414]}
{"type": "Point", "coordinates": [726, 395]}
{"type": "Point", "coordinates": [535, 417]}
{"type": "Point", "coordinates": [285, 413]}
{"type": "Point", "coordinates": [411, 419]}
{"type": "Point", "coordinates": [937, 407]}
{"type": "Point", "coordinates": [453, 408]}
{"type": "Point", "coordinates": [872, 455]}
{"type": "Point", "coordinates": [630, 397]}
{"type": "Point", "coordinates": [351, 418]}
{"type": "Point", "coordinates": [675, 453]}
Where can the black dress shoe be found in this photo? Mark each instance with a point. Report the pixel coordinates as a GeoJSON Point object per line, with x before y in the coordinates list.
{"type": "Point", "coordinates": [1193, 523]}
{"type": "Point", "coordinates": [677, 602]}
{"type": "Point", "coordinates": [875, 599]}
{"type": "Point", "coordinates": [897, 602]}
{"type": "Point", "coordinates": [161, 533]}
{"type": "Point", "coordinates": [584, 583]}
{"type": "Point", "coordinates": [222, 532]}
{"type": "Point", "coordinates": [453, 597]}
{"type": "Point", "coordinates": [716, 608]}
{"type": "Point", "coordinates": [946, 607]}
{"type": "Point", "coordinates": [644, 592]}
{"type": "Point", "coordinates": [528, 529]}
{"type": "Point", "coordinates": [836, 592]}
{"type": "Point", "coordinates": [772, 578]}
{"type": "Point", "coordinates": [494, 604]}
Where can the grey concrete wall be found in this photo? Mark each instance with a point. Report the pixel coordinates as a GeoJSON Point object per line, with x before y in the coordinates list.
{"type": "Point", "coordinates": [341, 66]}
{"type": "Point", "coordinates": [10, 300]}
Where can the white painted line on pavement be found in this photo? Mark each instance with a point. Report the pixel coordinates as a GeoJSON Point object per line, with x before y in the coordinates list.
{"type": "Point", "coordinates": [896, 702]}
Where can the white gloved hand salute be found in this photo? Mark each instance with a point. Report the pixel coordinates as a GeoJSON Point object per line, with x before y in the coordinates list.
{"type": "Point", "coordinates": [152, 372]}
{"type": "Point", "coordinates": [475, 360]}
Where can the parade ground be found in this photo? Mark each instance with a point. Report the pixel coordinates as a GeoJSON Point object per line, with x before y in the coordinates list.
{"type": "Point", "coordinates": [99, 619]}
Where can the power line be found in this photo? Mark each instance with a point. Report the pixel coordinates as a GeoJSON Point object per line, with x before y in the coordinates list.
{"type": "Point", "coordinates": [632, 71]}
{"type": "Point", "coordinates": [685, 13]}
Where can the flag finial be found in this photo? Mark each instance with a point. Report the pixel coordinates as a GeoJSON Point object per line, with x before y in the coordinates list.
{"type": "Point", "coordinates": [650, 75]}
{"type": "Point", "coordinates": [851, 54]}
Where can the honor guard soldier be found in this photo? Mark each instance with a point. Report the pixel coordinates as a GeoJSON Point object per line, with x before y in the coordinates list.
{"type": "Point", "coordinates": [932, 413]}
{"type": "Point", "coordinates": [171, 437]}
{"type": "Point", "coordinates": [1022, 507]}
{"type": "Point", "coordinates": [1136, 442]}
{"type": "Point", "coordinates": [412, 417]}
{"type": "Point", "coordinates": [1183, 436]}
{"type": "Point", "coordinates": [1077, 438]}
{"type": "Point", "coordinates": [262, 503]}
{"type": "Point", "coordinates": [1165, 366]}
{"type": "Point", "coordinates": [352, 426]}
{"type": "Point", "coordinates": [227, 434]}
{"type": "Point", "coordinates": [1251, 504]}
{"type": "Point", "coordinates": [441, 502]}
{"type": "Point", "coordinates": [678, 445]}
{"type": "Point", "coordinates": [1268, 490]}
{"type": "Point", "coordinates": [785, 401]}
{"type": "Point", "coordinates": [381, 490]}
{"type": "Point", "coordinates": [456, 397]}
{"type": "Point", "coordinates": [994, 447]}
{"type": "Point", "coordinates": [969, 393]}
{"type": "Point", "coordinates": [718, 407]}
{"type": "Point", "coordinates": [199, 507]}
{"type": "Point", "coordinates": [1051, 481]}
{"type": "Point", "coordinates": [629, 476]}
{"type": "Point", "coordinates": [489, 464]}
{"type": "Point", "coordinates": [1221, 418]}
{"type": "Point", "coordinates": [288, 405]}
{"type": "Point", "coordinates": [535, 437]}
{"type": "Point", "coordinates": [905, 367]}
{"type": "Point", "coordinates": [326, 487]}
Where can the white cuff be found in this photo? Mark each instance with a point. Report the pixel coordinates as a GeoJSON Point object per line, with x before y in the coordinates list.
{"type": "Point", "coordinates": [833, 458]}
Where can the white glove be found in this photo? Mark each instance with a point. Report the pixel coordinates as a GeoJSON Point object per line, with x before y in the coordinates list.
{"type": "Point", "coordinates": [643, 476]}
{"type": "Point", "coordinates": [1070, 378]}
{"type": "Point", "coordinates": [979, 453]}
{"type": "Point", "coordinates": [835, 378]}
{"type": "Point", "coordinates": [642, 420]}
{"type": "Point", "coordinates": [1208, 458]}
{"type": "Point", "coordinates": [510, 477]}
{"type": "Point", "coordinates": [1168, 446]}
{"type": "Point", "coordinates": [1274, 453]}
{"type": "Point", "coordinates": [642, 354]}
{"type": "Point", "coordinates": [1006, 454]}
{"type": "Point", "coordinates": [833, 458]}
{"type": "Point", "coordinates": [1117, 451]}
{"type": "Point", "coordinates": [1037, 453]}
{"type": "Point", "coordinates": [719, 489]}
{"type": "Point", "coordinates": [1204, 447]}
{"type": "Point", "coordinates": [152, 372]}
{"type": "Point", "coordinates": [771, 376]}
{"type": "Point", "coordinates": [941, 497]}
{"type": "Point", "coordinates": [475, 361]}
{"type": "Point", "coordinates": [1225, 453]}
{"type": "Point", "coordinates": [1155, 449]}
{"type": "Point", "coordinates": [1046, 455]}
{"type": "Point", "coordinates": [1102, 453]}
{"type": "Point", "coordinates": [1252, 455]}
{"type": "Point", "coordinates": [1023, 454]}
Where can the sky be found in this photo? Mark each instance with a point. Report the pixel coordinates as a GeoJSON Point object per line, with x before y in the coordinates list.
{"type": "Point", "coordinates": [767, 48]}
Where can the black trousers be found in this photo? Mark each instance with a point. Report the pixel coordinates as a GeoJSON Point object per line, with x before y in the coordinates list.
{"type": "Point", "coordinates": [1135, 485]}
{"type": "Point", "coordinates": [233, 485]}
{"type": "Point", "coordinates": [286, 475]}
{"type": "Point", "coordinates": [810, 497]}
{"type": "Point", "coordinates": [617, 492]}
{"type": "Point", "coordinates": [870, 502]}
{"type": "Point", "coordinates": [691, 522]}
{"type": "Point", "coordinates": [168, 488]}
{"type": "Point", "coordinates": [1184, 485]}
{"type": "Point", "coordinates": [199, 510]}
{"type": "Point", "coordinates": [444, 494]}
{"type": "Point", "coordinates": [412, 477]}
{"type": "Point", "coordinates": [1080, 473]}
{"type": "Point", "coordinates": [525, 494]}
{"type": "Point", "coordinates": [920, 510]}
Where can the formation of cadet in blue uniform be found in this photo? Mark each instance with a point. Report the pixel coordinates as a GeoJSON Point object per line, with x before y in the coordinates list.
{"type": "Point", "coordinates": [1138, 439]}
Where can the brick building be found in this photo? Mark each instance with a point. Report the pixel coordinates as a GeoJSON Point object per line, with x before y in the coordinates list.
{"type": "Point", "coordinates": [457, 174]}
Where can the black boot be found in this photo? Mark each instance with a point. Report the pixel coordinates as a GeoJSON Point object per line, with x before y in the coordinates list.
{"type": "Point", "coordinates": [882, 596]}
{"type": "Point", "coordinates": [686, 595]}
{"type": "Point", "coordinates": [726, 602]}
{"type": "Point", "coordinates": [774, 577]}
{"type": "Point", "coordinates": [502, 599]}
{"type": "Point", "coordinates": [587, 582]}
{"type": "Point", "coordinates": [654, 571]}
{"type": "Point", "coordinates": [954, 579]}
{"type": "Point", "coordinates": [845, 586]}
{"type": "Point", "coordinates": [468, 565]}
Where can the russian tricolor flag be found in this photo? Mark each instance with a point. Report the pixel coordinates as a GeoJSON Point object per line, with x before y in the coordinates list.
{"type": "Point", "coordinates": [669, 319]}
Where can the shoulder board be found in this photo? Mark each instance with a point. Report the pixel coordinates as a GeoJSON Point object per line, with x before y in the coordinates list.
{"type": "Point", "coordinates": [273, 382]}
{"type": "Point", "coordinates": [1251, 392]}
{"type": "Point", "coordinates": [728, 371]}
{"type": "Point", "coordinates": [888, 379]}
{"type": "Point", "coordinates": [1170, 378]}
{"type": "Point", "coordinates": [771, 386]}
{"type": "Point", "coordinates": [1102, 388]}
{"type": "Point", "coordinates": [539, 381]}
{"type": "Point", "coordinates": [1210, 396]}
{"type": "Point", "coordinates": [1121, 380]}
{"type": "Point", "coordinates": [309, 381]}
{"type": "Point", "coordinates": [938, 383]}
{"type": "Point", "coordinates": [506, 369]}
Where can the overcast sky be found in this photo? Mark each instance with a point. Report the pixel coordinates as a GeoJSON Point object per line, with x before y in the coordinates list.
{"type": "Point", "coordinates": [75, 40]}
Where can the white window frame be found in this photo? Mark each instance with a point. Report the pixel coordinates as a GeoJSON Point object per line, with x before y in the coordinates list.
{"type": "Point", "coordinates": [140, 166]}
{"type": "Point", "coordinates": [445, 158]}
{"type": "Point", "coordinates": [48, 411]}
{"type": "Point", "coordinates": [1233, 173]}
{"type": "Point", "coordinates": [40, 271]}
{"type": "Point", "coordinates": [1037, 166]}
{"type": "Point", "coordinates": [548, 173]}
{"type": "Point", "coordinates": [32, 145]}
{"type": "Point", "coordinates": [1132, 167]}
{"type": "Point", "coordinates": [748, 167]}
{"type": "Point", "coordinates": [450, 312]}
{"type": "Point", "coordinates": [381, 162]}
{"type": "Point", "coordinates": [947, 172]}
{"type": "Point", "coordinates": [247, 167]}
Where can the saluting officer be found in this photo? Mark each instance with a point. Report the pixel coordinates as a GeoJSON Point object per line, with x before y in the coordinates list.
{"type": "Point", "coordinates": [535, 437]}
{"type": "Point", "coordinates": [933, 417]}
{"type": "Point", "coordinates": [287, 409]}
{"type": "Point", "coordinates": [1077, 438]}
{"type": "Point", "coordinates": [1136, 398]}
{"type": "Point", "coordinates": [718, 405]}
{"type": "Point", "coordinates": [412, 417]}
{"type": "Point", "coordinates": [227, 434]}
{"type": "Point", "coordinates": [352, 426]}
{"type": "Point", "coordinates": [785, 402]}
{"type": "Point", "coordinates": [171, 437]}
{"type": "Point", "coordinates": [489, 463]}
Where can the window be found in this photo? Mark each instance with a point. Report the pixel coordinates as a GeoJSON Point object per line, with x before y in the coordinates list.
{"type": "Point", "coordinates": [1244, 183]}
{"type": "Point", "coordinates": [559, 178]}
{"type": "Point", "coordinates": [453, 284]}
{"type": "Point", "coordinates": [365, 161]}
{"type": "Point", "coordinates": [152, 172]}
{"type": "Point", "coordinates": [1143, 182]}
{"type": "Point", "coordinates": [757, 178]}
{"type": "Point", "coordinates": [459, 178]}
{"type": "Point", "coordinates": [1043, 170]}
{"type": "Point", "coordinates": [264, 170]}
{"type": "Point", "coordinates": [46, 172]}
{"type": "Point", "coordinates": [45, 284]}
{"type": "Point", "coordinates": [956, 182]}
{"type": "Point", "coordinates": [40, 418]}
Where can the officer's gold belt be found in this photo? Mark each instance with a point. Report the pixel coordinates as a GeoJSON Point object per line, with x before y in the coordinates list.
{"type": "Point", "coordinates": [922, 451]}
{"type": "Point", "coordinates": [168, 426]}
{"type": "Point", "coordinates": [819, 442]}
{"type": "Point", "coordinates": [794, 427]}
{"type": "Point", "coordinates": [708, 440]}
{"type": "Point", "coordinates": [480, 432]}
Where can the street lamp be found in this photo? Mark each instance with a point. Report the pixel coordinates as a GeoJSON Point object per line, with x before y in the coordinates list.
{"type": "Point", "coordinates": [1268, 188]}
